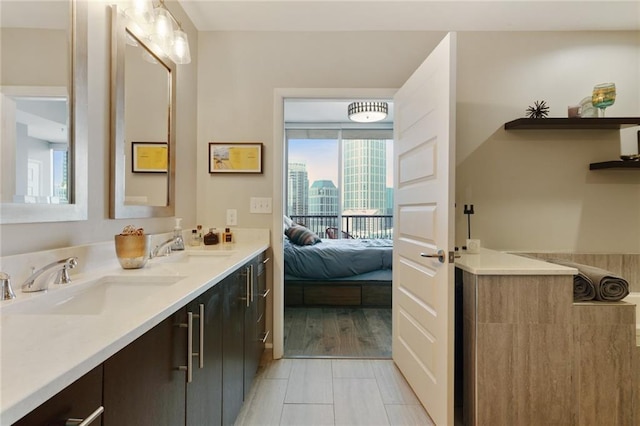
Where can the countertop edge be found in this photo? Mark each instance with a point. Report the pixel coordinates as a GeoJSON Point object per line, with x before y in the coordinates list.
{"type": "Point", "coordinates": [492, 262]}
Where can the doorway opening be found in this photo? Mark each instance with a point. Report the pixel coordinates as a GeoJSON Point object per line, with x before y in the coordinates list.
{"type": "Point", "coordinates": [338, 231]}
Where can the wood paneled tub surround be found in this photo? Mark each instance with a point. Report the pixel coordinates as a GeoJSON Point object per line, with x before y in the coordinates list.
{"type": "Point", "coordinates": [532, 356]}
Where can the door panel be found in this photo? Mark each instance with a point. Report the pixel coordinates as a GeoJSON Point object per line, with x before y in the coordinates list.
{"type": "Point", "coordinates": [423, 288]}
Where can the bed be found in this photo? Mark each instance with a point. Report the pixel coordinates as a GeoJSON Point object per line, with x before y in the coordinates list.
{"type": "Point", "coordinates": [342, 272]}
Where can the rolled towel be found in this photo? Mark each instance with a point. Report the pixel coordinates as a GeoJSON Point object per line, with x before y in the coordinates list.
{"type": "Point", "coordinates": [593, 283]}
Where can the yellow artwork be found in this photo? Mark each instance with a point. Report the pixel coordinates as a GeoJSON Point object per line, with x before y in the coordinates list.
{"type": "Point", "coordinates": [150, 157]}
{"type": "Point", "coordinates": [235, 158]}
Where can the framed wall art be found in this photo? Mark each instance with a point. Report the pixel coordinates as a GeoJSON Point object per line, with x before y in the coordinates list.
{"type": "Point", "coordinates": [225, 157]}
{"type": "Point", "coordinates": [149, 157]}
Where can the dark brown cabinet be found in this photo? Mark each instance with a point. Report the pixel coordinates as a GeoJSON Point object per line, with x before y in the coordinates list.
{"type": "Point", "coordinates": [204, 391]}
{"type": "Point", "coordinates": [173, 373]}
{"type": "Point", "coordinates": [143, 384]}
{"type": "Point", "coordinates": [255, 319]}
{"type": "Point", "coordinates": [243, 334]}
{"type": "Point", "coordinates": [250, 323]}
{"type": "Point", "coordinates": [263, 293]}
{"type": "Point", "coordinates": [234, 301]}
{"type": "Point", "coordinates": [75, 402]}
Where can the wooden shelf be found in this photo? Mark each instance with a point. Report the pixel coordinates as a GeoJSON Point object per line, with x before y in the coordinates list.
{"type": "Point", "coordinates": [606, 123]}
{"type": "Point", "coordinates": [619, 164]}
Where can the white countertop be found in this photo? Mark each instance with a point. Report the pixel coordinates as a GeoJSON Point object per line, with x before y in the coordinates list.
{"type": "Point", "coordinates": [41, 354]}
{"type": "Point", "coordinates": [491, 262]}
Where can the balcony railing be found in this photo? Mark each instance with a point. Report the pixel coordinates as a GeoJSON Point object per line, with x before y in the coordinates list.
{"type": "Point", "coordinates": [348, 226]}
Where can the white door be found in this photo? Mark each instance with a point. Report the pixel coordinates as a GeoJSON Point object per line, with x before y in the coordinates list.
{"type": "Point", "coordinates": [423, 287]}
{"type": "Point", "coordinates": [33, 177]}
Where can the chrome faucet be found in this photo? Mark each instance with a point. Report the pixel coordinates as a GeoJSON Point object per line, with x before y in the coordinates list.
{"type": "Point", "coordinates": [60, 267]}
{"type": "Point", "coordinates": [164, 247]}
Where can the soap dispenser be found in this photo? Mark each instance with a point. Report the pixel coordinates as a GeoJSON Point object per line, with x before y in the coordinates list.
{"type": "Point", "coordinates": [177, 234]}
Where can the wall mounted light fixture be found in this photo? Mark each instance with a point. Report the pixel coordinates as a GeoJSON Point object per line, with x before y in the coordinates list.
{"type": "Point", "coordinates": [367, 112]}
{"type": "Point", "coordinates": [157, 23]}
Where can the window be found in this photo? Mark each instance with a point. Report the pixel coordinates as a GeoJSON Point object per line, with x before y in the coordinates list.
{"type": "Point", "coordinates": [341, 178]}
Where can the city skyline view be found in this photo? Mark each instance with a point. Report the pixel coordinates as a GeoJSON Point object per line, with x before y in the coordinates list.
{"type": "Point", "coordinates": [320, 157]}
{"type": "Point", "coordinates": [361, 205]}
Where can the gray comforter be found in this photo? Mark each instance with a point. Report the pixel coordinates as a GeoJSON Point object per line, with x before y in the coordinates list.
{"type": "Point", "coordinates": [337, 258]}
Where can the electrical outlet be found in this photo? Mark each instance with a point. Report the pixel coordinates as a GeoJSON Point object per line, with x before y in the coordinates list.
{"type": "Point", "coordinates": [232, 217]}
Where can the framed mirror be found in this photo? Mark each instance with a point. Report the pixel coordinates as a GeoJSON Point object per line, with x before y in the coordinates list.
{"type": "Point", "coordinates": [43, 103]}
{"type": "Point", "coordinates": [142, 124]}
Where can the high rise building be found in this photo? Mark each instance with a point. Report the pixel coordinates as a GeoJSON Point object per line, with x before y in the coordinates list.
{"type": "Point", "coordinates": [364, 176]}
{"type": "Point", "coordinates": [323, 198]}
{"type": "Point", "coordinates": [298, 190]}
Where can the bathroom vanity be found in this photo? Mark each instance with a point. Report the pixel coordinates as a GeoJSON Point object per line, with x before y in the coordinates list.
{"type": "Point", "coordinates": [183, 351]}
{"type": "Point", "coordinates": [530, 355]}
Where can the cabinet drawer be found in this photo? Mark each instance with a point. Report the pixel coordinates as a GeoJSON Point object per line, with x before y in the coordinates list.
{"type": "Point", "coordinates": [78, 400]}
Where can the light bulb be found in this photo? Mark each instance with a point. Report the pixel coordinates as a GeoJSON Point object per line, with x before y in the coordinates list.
{"type": "Point", "coordinates": [141, 11]}
{"type": "Point", "coordinates": [163, 30]}
{"type": "Point", "coordinates": [180, 53]}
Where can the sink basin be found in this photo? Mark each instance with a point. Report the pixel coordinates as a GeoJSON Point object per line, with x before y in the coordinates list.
{"type": "Point", "coordinates": [93, 298]}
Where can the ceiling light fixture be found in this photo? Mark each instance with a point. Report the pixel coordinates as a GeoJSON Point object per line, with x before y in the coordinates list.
{"type": "Point", "coordinates": [157, 22]}
{"type": "Point", "coordinates": [367, 112]}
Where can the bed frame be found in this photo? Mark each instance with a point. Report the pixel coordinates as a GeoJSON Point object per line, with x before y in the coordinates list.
{"type": "Point", "coordinates": [366, 290]}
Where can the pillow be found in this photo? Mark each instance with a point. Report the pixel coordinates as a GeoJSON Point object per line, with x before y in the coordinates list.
{"type": "Point", "coordinates": [301, 236]}
{"type": "Point", "coordinates": [287, 222]}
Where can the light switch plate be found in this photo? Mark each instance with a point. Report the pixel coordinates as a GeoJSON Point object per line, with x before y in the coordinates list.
{"type": "Point", "coordinates": [232, 217]}
{"type": "Point", "coordinates": [260, 205]}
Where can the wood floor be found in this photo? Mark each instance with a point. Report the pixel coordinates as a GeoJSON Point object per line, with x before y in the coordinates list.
{"type": "Point", "coordinates": [308, 392]}
{"type": "Point", "coordinates": [337, 332]}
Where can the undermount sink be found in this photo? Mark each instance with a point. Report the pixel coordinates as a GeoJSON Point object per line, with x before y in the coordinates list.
{"type": "Point", "coordinates": [93, 298]}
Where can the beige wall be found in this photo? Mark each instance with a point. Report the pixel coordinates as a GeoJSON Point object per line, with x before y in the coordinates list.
{"type": "Point", "coordinates": [531, 190]}
{"type": "Point", "coordinates": [32, 57]}
{"type": "Point", "coordinates": [237, 77]}
{"type": "Point", "coordinates": [23, 238]}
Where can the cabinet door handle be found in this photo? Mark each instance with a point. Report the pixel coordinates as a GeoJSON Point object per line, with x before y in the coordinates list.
{"type": "Point", "coordinates": [266, 292]}
{"type": "Point", "coordinates": [264, 338]}
{"type": "Point", "coordinates": [251, 286]}
{"type": "Point", "coordinates": [87, 421]}
{"type": "Point", "coordinates": [201, 352]}
{"type": "Point", "coordinates": [189, 367]}
{"type": "Point", "coordinates": [247, 284]}
{"type": "Point", "coordinates": [264, 262]}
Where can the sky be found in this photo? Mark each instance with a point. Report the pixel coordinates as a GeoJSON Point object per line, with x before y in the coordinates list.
{"type": "Point", "coordinates": [320, 156]}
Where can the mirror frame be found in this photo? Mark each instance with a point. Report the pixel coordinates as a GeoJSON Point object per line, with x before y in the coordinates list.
{"type": "Point", "coordinates": [77, 207]}
{"type": "Point", "coordinates": [118, 209]}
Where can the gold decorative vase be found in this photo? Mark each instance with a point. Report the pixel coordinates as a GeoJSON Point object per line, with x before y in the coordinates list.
{"type": "Point", "coordinates": [132, 250]}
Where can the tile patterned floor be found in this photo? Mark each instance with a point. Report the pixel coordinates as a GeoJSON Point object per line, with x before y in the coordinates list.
{"type": "Point", "coordinates": [350, 392]}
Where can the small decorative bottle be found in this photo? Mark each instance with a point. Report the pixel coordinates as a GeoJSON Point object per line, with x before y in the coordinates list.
{"type": "Point", "coordinates": [227, 236]}
{"type": "Point", "coordinates": [211, 238]}
{"type": "Point", "coordinates": [177, 234]}
{"type": "Point", "coordinates": [199, 227]}
{"type": "Point", "coordinates": [195, 241]}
